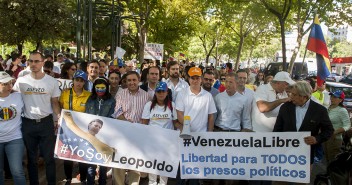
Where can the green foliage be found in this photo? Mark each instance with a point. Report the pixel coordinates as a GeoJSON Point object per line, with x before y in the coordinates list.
{"type": "Point", "coordinates": [340, 49]}
{"type": "Point", "coordinates": [33, 20]}
{"type": "Point", "coordinates": [226, 29]}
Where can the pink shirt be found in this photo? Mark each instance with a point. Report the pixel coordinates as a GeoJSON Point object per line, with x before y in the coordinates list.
{"type": "Point", "coordinates": [130, 106]}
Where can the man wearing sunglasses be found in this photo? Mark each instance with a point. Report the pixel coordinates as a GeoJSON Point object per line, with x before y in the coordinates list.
{"type": "Point", "coordinates": [207, 81]}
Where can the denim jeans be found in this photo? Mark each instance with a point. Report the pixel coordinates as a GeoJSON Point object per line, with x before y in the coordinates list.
{"type": "Point", "coordinates": [92, 172]}
{"type": "Point", "coordinates": [14, 151]}
{"type": "Point", "coordinates": [40, 135]}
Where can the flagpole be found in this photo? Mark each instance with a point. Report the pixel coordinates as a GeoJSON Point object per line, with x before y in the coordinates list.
{"type": "Point", "coordinates": [305, 52]}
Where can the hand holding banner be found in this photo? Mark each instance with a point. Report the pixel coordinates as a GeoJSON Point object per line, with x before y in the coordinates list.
{"type": "Point", "coordinates": [139, 147]}
{"type": "Point", "coordinates": [246, 156]}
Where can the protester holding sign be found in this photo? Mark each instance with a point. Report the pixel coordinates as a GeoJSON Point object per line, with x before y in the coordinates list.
{"type": "Point", "coordinates": [197, 103]}
{"type": "Point", "coordinates": [75, 99]}
{"type": "Point", "coordinates": [11, 143]}
{"type": "Point", "coordinates": [160, 112]}
{"type": "Point", "coordinates": [100, 103]}
{"type": "Point", "coordinates": [302, 114]}
{"type": "Point", "coordinates": [129, 106]}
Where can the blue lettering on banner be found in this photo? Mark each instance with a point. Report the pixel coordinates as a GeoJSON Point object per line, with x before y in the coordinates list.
{"type": "Point", "coordinates": [274, 171]}
{"type": "Point", "coordinates": [204, 158]}
{"type": "Point", "coordinates": [278, 172]}
{"type": "Point", "coordinates": [292, 159]}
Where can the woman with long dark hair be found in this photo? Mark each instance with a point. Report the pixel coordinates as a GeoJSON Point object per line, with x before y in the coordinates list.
{"type": "Point", "coordinates": [67, 71]}
{"type": "Point", "coordinates": [259, 79]}
{"type": "Point", "coordinates": [100, 103]}
{"type": "Point", "coordinates": [114, 80]}
{"type": "Point", "coordinates": [160, 112]}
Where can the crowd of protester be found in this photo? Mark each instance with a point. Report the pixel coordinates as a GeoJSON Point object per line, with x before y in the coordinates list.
{"type": "Point", "coordinates": [220, 100]}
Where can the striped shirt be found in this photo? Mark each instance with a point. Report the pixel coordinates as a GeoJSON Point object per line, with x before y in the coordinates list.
{"type": "Point", "coordinates": [130, 105]}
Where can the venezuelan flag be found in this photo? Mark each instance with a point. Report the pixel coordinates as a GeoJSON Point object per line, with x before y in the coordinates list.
{"type": "Point", "coordinates": [316, 43]}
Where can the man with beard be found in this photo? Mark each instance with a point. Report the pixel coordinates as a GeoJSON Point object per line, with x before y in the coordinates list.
{"type": "Point", "coordinates": [175, 83]}
{"type": "Point", "coordinates": [207, 81]}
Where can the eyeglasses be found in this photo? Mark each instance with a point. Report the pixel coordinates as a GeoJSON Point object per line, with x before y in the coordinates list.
{"type": "Point", "coordinates": [222, 79]}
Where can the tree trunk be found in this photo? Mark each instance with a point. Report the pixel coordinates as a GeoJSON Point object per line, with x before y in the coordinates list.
{"type": "Point", "coordinates": [20, 48]}
{"type": "Point", "coordinates": [38, 47]}
{"type": "Point", "coordinates": [296, 51]}
{"type": "Point", "coordinates": [238, 57]}
{"type": "Point", "coordinates": [250, 56]}
{"type": "Point", "coordinates": [283, 43]}
{"type": "Point", "coordinates": [207, 58]}
{"type": "Point", "coordinates": [142, 41]}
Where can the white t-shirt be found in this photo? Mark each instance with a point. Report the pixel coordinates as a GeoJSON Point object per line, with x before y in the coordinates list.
{"type": "Point", "coordinates": [10, 117]}
{"type": "Point", "coordinates": [198, 107]}
{"type": "Point", "coordinates": [37, 95]}
{"type": "Point", "coordinates": [24, 72]}
{"type": "Point", "coordinates": [181, 85]}
{"type": "Point", "coordinates": [264, 122]}
{"type": "Point", "coordinates": [158, 116]}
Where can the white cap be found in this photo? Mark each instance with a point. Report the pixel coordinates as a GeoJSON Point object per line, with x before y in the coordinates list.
{"type": "Point", "coordinates": [283, 76]}
{"type": "Point", "coordinates": [4, 77]}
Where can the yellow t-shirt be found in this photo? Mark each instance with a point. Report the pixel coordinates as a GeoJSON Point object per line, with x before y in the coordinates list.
{"type": "Point", "coordinates": [251, 87]}
{"type": "Point", "coordinates": [78, 102]}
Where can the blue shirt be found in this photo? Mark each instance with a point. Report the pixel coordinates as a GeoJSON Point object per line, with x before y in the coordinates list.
{"type": "Point", "coordinates": [300, 113]}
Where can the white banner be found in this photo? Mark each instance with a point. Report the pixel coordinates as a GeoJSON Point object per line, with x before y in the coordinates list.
{"type": "Point", "coordinates": [276, 156]}
{"type": "Point", "coordinates": [154, 51]}
{"type": "Point", "coordinates": [109, 142]}
{"type": "Point", "coordinates": [64, 84]}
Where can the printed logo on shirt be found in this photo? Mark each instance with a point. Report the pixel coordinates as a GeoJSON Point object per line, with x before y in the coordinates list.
{"type": "Point", "coordinates": [160, 116]}
{"type": "Point", "coordinates": [33, 90]}
{"type": "Point", "coordinates": [7, 113]}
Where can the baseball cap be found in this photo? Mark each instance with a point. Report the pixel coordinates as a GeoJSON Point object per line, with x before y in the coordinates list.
{"type": "Point", "coordinates": [161, 86]}
{"type": "Point", "coordinates": [283, 76]}
{"type": "Point", "coordinates": [223, 66]}
{"type": "Point", "coordinates": [60, 55]}
{"type": "Point", "coordinates": [80, 74]}
{"type": "Point", "coordinates": [4, 77]}
{"type": "Point", "coordinates": [338, 94]}
{"type": "Point", "coordinates": [195, 71]}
